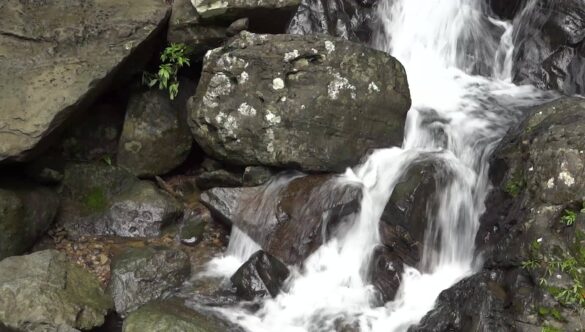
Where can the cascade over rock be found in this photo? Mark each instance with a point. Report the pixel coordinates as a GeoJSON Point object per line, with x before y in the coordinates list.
{"type": "Point", "coordinates": [288, 217]}
{"type": "Point", "coordinates": [309, 102]}
{"type": "Point", "coordinates": [59, 56]}
{"type": "Point", "coordinates": [262, 275]}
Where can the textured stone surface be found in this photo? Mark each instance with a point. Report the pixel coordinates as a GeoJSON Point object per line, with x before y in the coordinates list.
{"type": "Point", "coordinates": [45, 292]}
{"type": "Point", "coordinates": [155, 138]}
{"type": "Point", "coordinates": [58, 56]}
{"type": "Point", "coordinates": [144, 274]}
{"type": "Point", "coordinates": [262, 275]}
{"type": "Point", "coordinates": [26, 213]}
{"type": "Point", "coordinates": [309, 102]}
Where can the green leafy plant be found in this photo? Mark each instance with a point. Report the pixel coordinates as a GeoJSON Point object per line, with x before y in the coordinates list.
{"type": "Point", "coordinates": [550, 329]}
{"type": "Point", "coordinates": [514, 187]}
{"type": "Point", "coordinates": [569, 217]}
{"type": "Point", "coordinates": [173, 58]}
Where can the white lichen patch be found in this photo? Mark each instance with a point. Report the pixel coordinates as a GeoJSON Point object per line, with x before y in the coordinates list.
{"type": "Point", "coordinates": [277, 84]}
{"type": "Point", "coordinates": [246, 110]}
{"type": "Point", "coordinates": [551, 183]}
{"type": "Point", "coordinates": [288, 56]}
{"type": "Point", "coordinates": [373, 87]}
{"type": "Point", "coordinates": [243, 77]}
{"type": "Point", "coordinates": [329, 46]}
{"type": "Point", "coordinates": [272, 118]}
{"type": "Point", "coordinates": [567, 178]}
{"type": "Point", "coordinates": [314, 50]}
{"type": "Point", "coordinates": [338, 84]}
{"type": "Point", "coordinates": [219, 85]}
{"type": "Point", "coordinates": [270, 145]}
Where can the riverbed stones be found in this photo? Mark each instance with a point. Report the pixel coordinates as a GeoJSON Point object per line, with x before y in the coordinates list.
{"type": "Point", "coordinates": [308, 102]}
{"type": "Point", "coordinates": [261, 276]}
{"type": "Point", "coordinates": [155, 138]}
{"type": "Point", "coordinates": [44, 292]}
{"type": "Point", "coordinates": [59, 56]}
{"type": "Point", "coordinates": [26, 213]}
{"type": "Point", "coordinates": [140, 275]}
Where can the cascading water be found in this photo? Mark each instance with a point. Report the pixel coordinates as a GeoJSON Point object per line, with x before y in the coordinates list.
{"type": "Point", "coordinates": [456, 118]}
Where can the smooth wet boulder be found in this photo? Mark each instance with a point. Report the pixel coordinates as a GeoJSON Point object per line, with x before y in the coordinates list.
{"type": "Point", "coordinates": [43, 291]}
{"type": "Point", "coordinates": [386, 271]}
{"type": "Point", "coordinates": [59, 56]}
{"type": "Point", "coordinates": [534, 222]}
{"type": "Point", "coordinates": [257, 175]}
{"type": "Point", "coordinates": [172, 316]}
{"type": "Point", "coordinates": [290, 216]}
{"type": "Point", "coordinates": [262, 275]}
{"type": "Point", "coordinates": [549, 40]}
{"type": "Point", "coordinates": [99, 199]}
{"type": "Point", "coordinates": [26, 213]}
{"type": "Point", "coordinates": [140, 275]}
{"type": "Point", "coordinates": [311, 102]}
{"type": "Point", "coordinates": [155, 138]}
{"type": "Point", "coordinates": [348, 19]}
{"type": "Point", "coordinates": [268, 16]}
{"type": "Point", "coordinates": [506, 9]}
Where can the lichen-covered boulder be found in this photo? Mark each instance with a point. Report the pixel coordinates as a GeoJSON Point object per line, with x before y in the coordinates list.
{"type": "Point", "coordinates": [59, 56]}
{"type": "Point", "coordinates": [140, 275]}
{"type": "Point", "coordinates": [155, 138]}
{"type": "Point", "coordinates": [26, 213]}
{"type": "Point", "coordinates": [172, 316]}
{"type": "Point", "coordinates": [310, 102]}
{"type": "Point", "coordinates": [99, 199]}
{"type": "Point", "coordinates": [44, 292]}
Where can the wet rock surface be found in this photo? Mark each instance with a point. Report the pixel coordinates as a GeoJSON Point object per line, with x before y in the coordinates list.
{"type": "Point", "coordinates": [262, 275]}
{"type": "Point", "coordinates": [44, 292]}
{"type": "Point", "coordinates": [291, 216]}
{"type": "Point", "coordinates": [145, 274]}
{"type": "Point", "coordinates": [155, 138]}
{"type": "Point", "coordinates": [26, 213]}
{"type": "Point", "coordinates": [63, 58]}
{"type": "Point", "coordinates": [274, 100]}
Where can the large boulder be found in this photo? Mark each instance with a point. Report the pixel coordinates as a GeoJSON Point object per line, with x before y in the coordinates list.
{"type": "Point", "coordinates": [140, 275]}
{"type": "Point", "coordinates": [262, 275]}
{"type": "Point", "coordinates": [58, 56]}
{"type": "Point", "coordinates": [549, 39]}
{"type": "Point", "coordinates": [349, 19]}
{"type": "Point", "coordinates": [45, 292]}
{"type": "Point", "coordinates": [155, 138]}
{"type": "Point", "coordinates": [172, 316]}
{"type": "Point", "coordinates": [99, 199]}
{"type": "Point", "coordinates": [26, 213]}
{"type": "Point", "coordinates": [531, 234]}
{"type": "Point", "coordinates": [310, 102]}
{"type": "Point", "coordinates": [291, 216]}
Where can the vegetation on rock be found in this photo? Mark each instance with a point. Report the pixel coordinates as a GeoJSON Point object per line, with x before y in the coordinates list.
{"type": "Point", "coordinates": [173, 58]}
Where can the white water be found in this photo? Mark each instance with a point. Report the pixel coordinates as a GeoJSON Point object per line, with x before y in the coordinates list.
{"type": "Point", "coordinates": [456, 117]}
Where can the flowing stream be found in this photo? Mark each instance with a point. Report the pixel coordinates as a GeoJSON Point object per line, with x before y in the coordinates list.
{"type": "Point", "coordinates": [458, 62]}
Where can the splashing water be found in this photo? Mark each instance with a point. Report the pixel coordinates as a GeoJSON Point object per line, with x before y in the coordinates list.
{"type": "Point", "coordinates": [457, 117]}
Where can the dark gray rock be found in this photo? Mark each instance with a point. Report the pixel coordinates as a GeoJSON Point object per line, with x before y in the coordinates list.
{"type": "Point", "coordinates": [262, 275]}
{"type": "Point", "coordinates": [99, 199]}
{"type": "Point", "coordinates": [291, 216]}
{"type": "Point", "coordinates": [59, 56]}
{"type": "Point", "coordinates": [193, 225]}
{"type": "Point", "coordinates": [218, 178]}
{"type": "Point", "coordinates": [386, 272]}
{"type": "Point", "coordinates": [549, 45]}
{"type": "Point", "coordinates": [140, 275]}
{"type": "Point", "coordinates": [257, 175]}
{"type": "Point", "coordinates": [26, 213]}
{"type": "Point", "coordinates": [155, 138]}
{"type": "Point", "coordinates": [275, 100]}
{"type": "Point", "coordinates": [43, 291]}
{"type": "Point", "coordinates": [506, 9]}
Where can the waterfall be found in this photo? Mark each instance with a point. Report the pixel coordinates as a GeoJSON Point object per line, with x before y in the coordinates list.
{"type": "Point", "coordinates": [458, 61]}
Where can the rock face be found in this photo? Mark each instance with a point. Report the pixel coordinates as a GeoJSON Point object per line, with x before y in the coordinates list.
{"type": "Point", "coordinates": [262, 275]}
{"type": "Point", "coordinates": [26, 212]}
{"type": "Point", "coordinates": [172, 316]}
{"type": "Point", "coordinates": [99, 199]}
{"type": "Point", "coordinates": [533, 225]}
{"type": "Point", "coordinates": [155, 138]}
{"type": "Point", "coordinates": [550, 45]}
{"type": "Point", "coordinates": [142, 275]}
{"type": "Point", "coordinates": [58, 56]}
{"type": "Point", "coordinates": [348, 19]}
{"type": "Point", "coordinates": [287, 217]}
{"type": "Point", "coordinates": [44, 292]}
{"type": "Point", "coordinates": [309, 102]}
